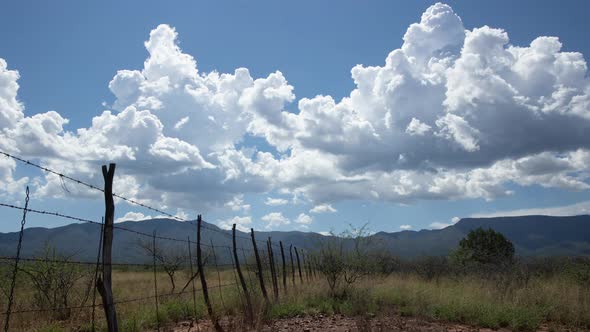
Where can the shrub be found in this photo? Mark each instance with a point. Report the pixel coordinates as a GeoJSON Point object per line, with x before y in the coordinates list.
{"type": "Point", "coordinates": [344, 259]}
{"type": "Point", "coordinates": [53, 278]}
{"type": "Point", "coordinates": [486, 247]}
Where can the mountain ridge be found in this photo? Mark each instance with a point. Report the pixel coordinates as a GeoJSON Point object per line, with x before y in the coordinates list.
{"type": "Point", "coordinates": [533, 235]}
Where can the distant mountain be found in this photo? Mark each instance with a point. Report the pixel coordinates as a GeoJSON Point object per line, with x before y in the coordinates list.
{"type": "Point", "coordinates": [82, 240]}
{"type": "Point", "coordinates": [531, 235]}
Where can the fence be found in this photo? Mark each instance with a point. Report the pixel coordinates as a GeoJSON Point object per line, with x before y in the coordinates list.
{"type": "Point", "coordinates": [232, 267]}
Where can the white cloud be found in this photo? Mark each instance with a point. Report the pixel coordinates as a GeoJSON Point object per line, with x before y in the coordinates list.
{"type": "Point", "coordinates": [303, 219]}
{"type": "Point", "coordinates": [405, 227]}
{"type": "Point", "coordinates": [160, 160]}
{"type": "Point", "coordinates": [133, 216]}
{"type": "Point", "coordinates": [566, 210]}
{"type": "Point", "coordinates": [11, 108]}
{"type": "Point", "coordinates": [237, 204]}
{"type": "Point", "coordinates": [451, 114]}
{"type": "Point", "coordinates": [242, 223]}
{"type": "Point", "coordinates": [454, 127]}
{"type": "Point", "coordinates": [181, 123]}
{"type": "Point", "coordinates": [275, 219]}
{"type": "Point", "coordinates": [441, 225]}
{"type": "Point", "coordinates": [323, 208]}
{"type": "Point", "coordinates": [417, 128]}
{"type": "Point", "coordinates": [275, 201]}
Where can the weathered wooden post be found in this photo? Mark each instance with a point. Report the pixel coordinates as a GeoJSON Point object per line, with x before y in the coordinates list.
{"type": "Point", "coordinates": [284, 266]}
{"type": "Point", "coordinates": [273, 272]}
{"type": "Point", "coordinates": [298, 265]}
{"type": "Point", "coordinates": [104, 284]}
{"type": "Point", "coordinates": [203, 280]}
{"type": "Point", "coordinates": [259, 265]}
{"type": "Point", "coordinates": [305, 262]}
{"type": "Point", "coordinates": [292, 264]}
{"type": "Point", "coordinates": [249, 311]}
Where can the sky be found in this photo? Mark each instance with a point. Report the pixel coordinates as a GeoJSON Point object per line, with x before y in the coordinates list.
{"type": "Point", "coordinates": [297, 115]}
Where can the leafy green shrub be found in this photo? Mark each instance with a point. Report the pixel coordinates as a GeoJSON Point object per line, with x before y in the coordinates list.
{"type": "Point", "coordinates": [484, 247]}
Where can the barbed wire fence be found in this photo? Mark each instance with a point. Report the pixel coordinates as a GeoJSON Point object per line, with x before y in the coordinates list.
{"type": "Point", "coordinates": [248, 267]}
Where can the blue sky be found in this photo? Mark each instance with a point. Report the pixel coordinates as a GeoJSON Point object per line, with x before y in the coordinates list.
{"type": "Point", "coordinates": [66, 53]}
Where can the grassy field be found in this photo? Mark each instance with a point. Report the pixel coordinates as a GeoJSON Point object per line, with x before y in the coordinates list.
{"type": "Point", "coordinates": [559, 301]}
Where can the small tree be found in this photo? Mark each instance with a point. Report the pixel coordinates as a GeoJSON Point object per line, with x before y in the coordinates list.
{"type": "Point", "coordinates": [484, 247]}
{"type": "Point", "coordinates": [171, 259]}
{"type": "Point", "coordinates": [53, 277]}
{"type": "Point", "coordinates": [344, 258]}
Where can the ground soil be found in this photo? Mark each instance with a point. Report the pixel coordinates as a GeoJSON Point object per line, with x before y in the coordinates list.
{"type": "Point", "coordinates": [340, 323]}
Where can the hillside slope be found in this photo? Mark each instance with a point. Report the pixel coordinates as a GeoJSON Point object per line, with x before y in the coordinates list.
{"type": "Point", "coordinates": [531, 235]}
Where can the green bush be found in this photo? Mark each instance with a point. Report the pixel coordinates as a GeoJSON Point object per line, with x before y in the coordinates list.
{"type": "Point", "coordinates": [484, 247]}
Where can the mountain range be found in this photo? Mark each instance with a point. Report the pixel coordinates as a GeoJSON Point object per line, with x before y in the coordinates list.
{"type": "Point", "coordinates": [531, 236]}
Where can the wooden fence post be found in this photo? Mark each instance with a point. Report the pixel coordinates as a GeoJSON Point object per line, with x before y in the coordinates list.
{"type": "Point", "coordinates": [298, 265]}
{"type": "Point", "coordinates": [203, 280]}
{"type": "Point", "coordinates": [259, 265]}
{"type": "Point", "coordinates": [307, 270]}
{"type": "Point", "coordinates": [292, 265]}
{"type": "Point", "coordinates": [273, 271]}
{"type": "Point", "coordinates": [104, 284]}
{"type": "Point", "coordinates": [303, 261]}
{"type": "Point", "coordinates": [284, 266]}
{"type": "Point", "coordinates": [249, 310]}
{"type": "Point", "coordinates": [309, 265]}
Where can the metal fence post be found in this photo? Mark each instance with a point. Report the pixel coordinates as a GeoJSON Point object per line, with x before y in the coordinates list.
{"type": "Point", "coordinates": [15, 271]}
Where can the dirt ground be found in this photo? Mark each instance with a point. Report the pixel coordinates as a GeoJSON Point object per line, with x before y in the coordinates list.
{"type": "Point", "coordinates": [340, 323]}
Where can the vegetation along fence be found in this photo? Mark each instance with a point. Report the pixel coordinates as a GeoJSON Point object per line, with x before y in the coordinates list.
{"type": "Point", "coordinates": [192, 274]}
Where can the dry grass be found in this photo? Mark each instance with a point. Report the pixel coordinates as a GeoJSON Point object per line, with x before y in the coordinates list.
{"type": "Point", "coordinates": [558, 300]}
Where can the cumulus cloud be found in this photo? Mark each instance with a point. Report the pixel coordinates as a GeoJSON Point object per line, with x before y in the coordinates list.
{"type": "Point", "coordinates": [133, 216]}
{"type": "Point", "coordinates": [405, 227]}
{"type": "Point", "coordinates": [237, 204]}
{"type": "Point", "coordinates": [451, 114]}
{"type": "Point", "coordinates": [415, 127]}
{"type": "Point", "coordinates": [323, 208]}
{"type": "Point", "coordinates": [275, 201]}
{"type": "Point", "coordinates": [12, 109]}
{"type": "Point", "coordinates": [160, 160]}
{"type": "Point", "coordinates": [242, 223]}
{"type": "Point", "coordinates": [275, 219]}
{"type": "Point", "coordinates": [304, 220]}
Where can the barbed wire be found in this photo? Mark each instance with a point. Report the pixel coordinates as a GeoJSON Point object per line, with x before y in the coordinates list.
{"type": "Point", "coordinates": [61, 215]}
{"type": "Point", "coordinates": [65, 216]}
{"type": "Point", "coordinates": [126, 199]}
{"type": "Point", "coordinates": [88, 185]}
{"type": "Point", "coordinates": [265, 268]}
{"type": "Point", "coordinates": [73, 262]}
{"type": "Point", "coordinates": [88, 306]}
